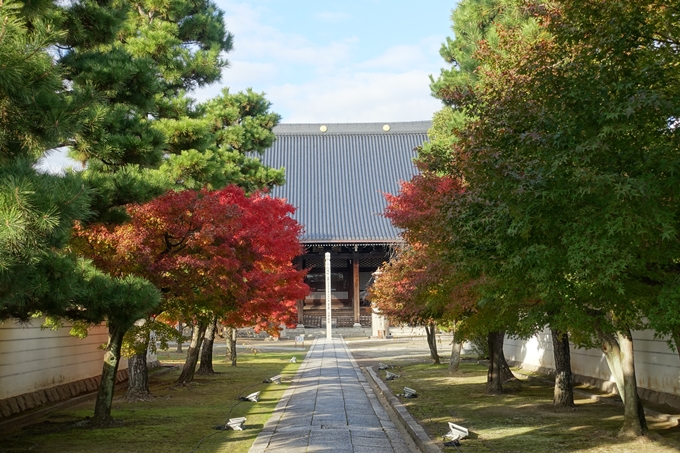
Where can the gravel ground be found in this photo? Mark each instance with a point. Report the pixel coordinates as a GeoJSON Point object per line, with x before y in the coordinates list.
{"type": "Point", "coordinates": [367, 352]}
{"type": "Point", "coordinates": [397, 351]}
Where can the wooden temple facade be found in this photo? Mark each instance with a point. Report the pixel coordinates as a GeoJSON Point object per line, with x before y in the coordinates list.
{"type": "Point", "coordinates": [336, 177]}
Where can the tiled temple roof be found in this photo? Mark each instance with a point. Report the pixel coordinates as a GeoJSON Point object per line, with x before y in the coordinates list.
{"type": "Point", "coordinates": [336, 175]}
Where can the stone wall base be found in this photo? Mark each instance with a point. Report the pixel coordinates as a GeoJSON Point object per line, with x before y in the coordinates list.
{"type": "Point", "coordinates": [20, 403]}
{"type": "Point", "coordinates": [17, 404]}
{"type": "Point", "coordinates": [647, 395]}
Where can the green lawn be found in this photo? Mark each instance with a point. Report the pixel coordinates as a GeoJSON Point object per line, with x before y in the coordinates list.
{"type": "Point", "coordinates": [177, 419]}
{"type": "Point", "coordinates": [523, 419]}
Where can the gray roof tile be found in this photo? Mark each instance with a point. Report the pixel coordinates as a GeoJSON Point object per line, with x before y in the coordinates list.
{"type": "Point", "coordinates": [336, 179]}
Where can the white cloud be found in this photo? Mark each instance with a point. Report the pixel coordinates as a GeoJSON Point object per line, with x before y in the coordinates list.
{"type": "Point", "coordinates": [255, 41]}
{"type": "Point", "coordinates": [310, 81]}
{"type": "Point", "coordinates": [239, 76]}
{"type": "Point", "coordinates": [249, 73]}
{"type": "Point", "coordinates": [374, 96]}
{"type": "Point", "coordinates": [404, 57]}
{"type": "Point", "coordinates": [243, 18]}
{"type": "Point", "coordinates": [292, 49]}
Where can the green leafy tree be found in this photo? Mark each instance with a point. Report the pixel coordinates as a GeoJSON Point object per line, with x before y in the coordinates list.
{"type": "Point", "coordinates": [569, 160]}
{"type": "Point", "coordinates": [476, 23]}
{"type": "Point", "coordinates": [480, 25]}
{"type": "Point", "coordinates": [141, 71]}
{"type": "Point", "coordinates": [430, 283]}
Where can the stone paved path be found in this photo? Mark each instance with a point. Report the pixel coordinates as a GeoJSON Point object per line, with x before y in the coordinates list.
{"type": "Point", "coordinates": [329, 407]}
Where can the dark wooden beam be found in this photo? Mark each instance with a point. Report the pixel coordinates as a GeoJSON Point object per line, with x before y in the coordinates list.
{"type": "Point", "coordinates": [349, 256]}
{"type": "Point", "coordinates": [356, 299]}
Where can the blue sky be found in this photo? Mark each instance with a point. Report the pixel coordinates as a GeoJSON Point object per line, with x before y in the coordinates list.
{"type": "Point", "coordinates": [332, 61]}
{"type": "Point", "coordinates": [337, 61]}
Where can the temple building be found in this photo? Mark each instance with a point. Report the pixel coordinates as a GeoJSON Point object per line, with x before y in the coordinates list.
{"type": "Point", "coordinates": [336, 177]}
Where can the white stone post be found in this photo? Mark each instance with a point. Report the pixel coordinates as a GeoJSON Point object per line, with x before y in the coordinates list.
{"type": "Point", "coordinates": [380, 324]}
{"type": "Point", "coordinates": [328, 296]}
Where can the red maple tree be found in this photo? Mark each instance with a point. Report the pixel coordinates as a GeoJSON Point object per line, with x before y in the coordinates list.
{"type": "Point", "coordinates": [431, 282]}
{"type": "Point", "coordinates": [212, 253]}
{"type": "Point", "coordinates": [421, 207]}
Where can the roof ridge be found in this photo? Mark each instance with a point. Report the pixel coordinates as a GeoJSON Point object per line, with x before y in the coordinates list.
{"type": "Point", "coordinates": [394, 127]}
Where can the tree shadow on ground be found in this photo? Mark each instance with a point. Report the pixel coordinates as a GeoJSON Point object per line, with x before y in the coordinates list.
{"type": "Point", "coordinates": [521, 419]}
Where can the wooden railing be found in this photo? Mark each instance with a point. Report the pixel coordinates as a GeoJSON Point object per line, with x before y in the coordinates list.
{"type": "Point", "coordinates": [337, 321]}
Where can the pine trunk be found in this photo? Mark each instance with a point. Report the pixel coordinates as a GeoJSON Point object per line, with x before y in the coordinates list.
{"type": "Point", "coordinates": [456, 346]}
{"type": "Point", "coordinates": [618, 350]}
{"type": "Point", "coordinates": [230, 337]}
{"type": "Point", "coordinates": [494, 384]}
{"type": "Point", "coordinates": [189, 368]}
{"type": "Point", "coordinates": [564, 380]}
{"type": "Point", "coordinates": [102, 407]}
{"type": "Point", "coordinates": [430, 330]}
{"type": "Point", "coordinates": [206, 366]}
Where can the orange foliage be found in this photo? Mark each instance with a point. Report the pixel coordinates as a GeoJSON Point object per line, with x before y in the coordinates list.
{"type": "Point", "coordinates": [219, 251]}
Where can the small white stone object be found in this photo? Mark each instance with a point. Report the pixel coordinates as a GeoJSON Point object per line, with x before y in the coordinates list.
{"type": "Point", "coordinates": [273, 380]}
{"type": "Point", "coordinates": [410, 393]}
{"type": "Point", "coordinates": [293, 360]}
{"type": "Point", "coordinates": [390, 376]}
{"type": "Point", "coordinates": [236, 424]}
{"type": "Point", "coordinates": [456, 432]}
{"type": "Point", "coordinates": [254, 397]}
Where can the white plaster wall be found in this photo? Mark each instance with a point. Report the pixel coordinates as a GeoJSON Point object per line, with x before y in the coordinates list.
{"type": "Point", "coordinates": [657, 367]}
{"type": "Point", "coordinates": [659, 364]}
{"type": "Point", "coordinates": [407, 331]}
{"type": "Point", "coordinates": [33, 359]}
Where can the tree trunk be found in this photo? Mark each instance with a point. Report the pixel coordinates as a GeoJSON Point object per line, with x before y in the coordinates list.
{"type": "Point", "coordinates": [564, 380]}
{"type": "Point", "coordinates": [189, 367]}
{"type": "Point", "coordinates": [506, 373]}
{"type": "Point", "coordinates": [230, 337]}
{"type": "Point", "coordinates": [102, 407]}
{"type": "Point", "coordinates": [138, 382]}
{"type": "Point", "coordinates": [618, 350]}
{"type": "Point", "coordinates": [180, 327]}
{"type": "Point", "coordinates": [206, 366]}
{"type": "Point", "coordinates": [430, 330]}
{"type": "Point", "coordinates": [456, 346]}
{"type": "Point", "coordinates": [493, 375]}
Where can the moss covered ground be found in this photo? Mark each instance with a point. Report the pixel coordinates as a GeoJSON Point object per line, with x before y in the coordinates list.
{"type": "Point", "coordinates": [521, 420]}
{"type": "Point", "coordinates": [178, 419]}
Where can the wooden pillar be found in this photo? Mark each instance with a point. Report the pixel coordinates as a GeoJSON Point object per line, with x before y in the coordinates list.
{"type": "Point", "coordinates": [301, 309]}
{"type": "Point", "coordinates": [356, 298]}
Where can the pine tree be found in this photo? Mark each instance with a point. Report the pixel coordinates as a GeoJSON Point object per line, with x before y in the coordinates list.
{"type": "Point", "coordinates": [115, 93]}
{"type": "Point", "coordinates": [36, 210]}
{"type": "Point", "coordinates": [38, 274]}
{"type": "Point", "coordinates": [142, 77]}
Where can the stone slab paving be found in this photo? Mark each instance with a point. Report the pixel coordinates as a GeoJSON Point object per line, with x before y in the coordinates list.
{"type": "Point", "coordinates": [329, 407]}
